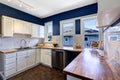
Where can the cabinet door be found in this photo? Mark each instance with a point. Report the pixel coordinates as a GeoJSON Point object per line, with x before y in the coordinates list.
{"type": "Point", "coordinates": [42, 55]}
{"type": "Point", "coordinates": [27, 27]}
{"type": "Point", "coordinates": [30, 58]}
{"type": "Point", "coordinates": [46, 56]}
{"type": "Point", "coordinates": [9, 64]}
{"type": "Point", "coordinates": [41, 32]}
{"type": "Point", "coordinates": [21, 60]}
{"type": "Point", "coordinates": [38, 55]}
{"type": "Point", "coordinates": [47, 59]}
{"type": "Point", "coordinates": [18, 26]}
{"type": "Point", "coordinates": [35, 31]}
{"type": "Point", "coordinates": [7, 26]}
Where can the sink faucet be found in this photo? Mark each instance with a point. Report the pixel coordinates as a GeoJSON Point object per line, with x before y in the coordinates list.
{"type": "Point", "coordinates": [25, 42]}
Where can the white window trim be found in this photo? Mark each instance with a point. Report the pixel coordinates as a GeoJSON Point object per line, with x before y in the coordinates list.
{"type": "Point", "coordinates": [48, 23]}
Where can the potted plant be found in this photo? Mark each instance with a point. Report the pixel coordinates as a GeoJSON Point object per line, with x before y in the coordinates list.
{"type": "Point", "coordinates": [55, 44]}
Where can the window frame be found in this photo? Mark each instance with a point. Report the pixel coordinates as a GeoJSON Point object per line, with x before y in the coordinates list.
{"type": "Point", "coordinates": [46, 33]}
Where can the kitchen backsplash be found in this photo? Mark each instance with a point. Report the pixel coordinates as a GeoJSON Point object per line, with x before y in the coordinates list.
{"type": "Point", "coordinates": [14, 42]}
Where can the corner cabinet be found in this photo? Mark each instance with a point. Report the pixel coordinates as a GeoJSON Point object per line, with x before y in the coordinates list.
{"type": "Point", "coordinates": [46, 57]}
{"type": "Point", "coordinates": [7, 26]}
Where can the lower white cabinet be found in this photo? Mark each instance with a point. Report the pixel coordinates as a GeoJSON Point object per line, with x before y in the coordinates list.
{"type": "Point", "coordinates": [9, 64]}
{"type": "Point", "coordinates": [25, 59]}
{"type": "Point", "coordinates": [46, 57]}
{"type": "Point", "coordinates": [72, 78]}
{"type": "Point", "coordinates": [13, 63]}
{"type": "Point", "coordinates": [30, 58]}
{"type": "Point", "coordinates": [21, 60]}
{"type": "Point", "coordinates": [38, 55]}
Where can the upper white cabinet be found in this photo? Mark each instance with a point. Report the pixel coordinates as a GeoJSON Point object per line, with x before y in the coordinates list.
{"type": "Point", "coordinates": [7, 26]}
{"type": "Point", "coordinates": [22, 27]}
{"type": "Point", "coordinates": [108, 12]}
{"type": "Point", "coordinates": [41, 32]}
{"type": "Point", "coordinates": [35, 31]}
{"type": "Point", "coordinates": [27, 28]}
{"type": "Point", "coordinates": [11, 26]}
{"type": "Point", "coordinates": [18, 26]}
{"type": "Point", "coordinates": [107, 4]}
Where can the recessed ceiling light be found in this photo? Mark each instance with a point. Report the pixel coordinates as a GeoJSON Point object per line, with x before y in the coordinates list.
{"type": "Point", "coordinates": [20, 5]}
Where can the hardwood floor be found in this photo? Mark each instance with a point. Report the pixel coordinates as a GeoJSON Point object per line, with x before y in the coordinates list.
{"type": "Point", "coordinates": [40, 72]}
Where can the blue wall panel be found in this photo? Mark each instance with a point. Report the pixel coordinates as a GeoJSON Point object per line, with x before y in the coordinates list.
{"type": "Point", "coordinates": [77, 26]}
{"type": "Point", "coordinates": [11, 12]}
{"type": "Point", "coordinates": [87, 10]}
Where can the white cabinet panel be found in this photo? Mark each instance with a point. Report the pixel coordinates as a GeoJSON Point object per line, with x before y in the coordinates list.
{"type": "Point", "coordinates": [72, 78]}
{"type": "Point", "coordinates": [21, 60]}
{"type": "Point", "coordinates": [38, 56]}
{"type": "Point", "coordinates": [35, 31]}
{"type": "Point", "coordinates": [27, 28]}
{"type": "Point", "coordinates": [18, 26]}
{"type": "Point", "coordinates": [10, 72]}
{"type": "Point", "coordinates": [46, 57]}
{"type": "Point", "coordinates": [7, 26]}
{"type": "Point", "coordinates": [30, 58]}
{"type": "Point", "coordinates": [9, 64]}
{"type": "Point", "coordinates": [42, 32]}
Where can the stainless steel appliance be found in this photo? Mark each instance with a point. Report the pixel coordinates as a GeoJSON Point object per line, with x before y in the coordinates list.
{"type": "Point", "coordinates": [57, 59]}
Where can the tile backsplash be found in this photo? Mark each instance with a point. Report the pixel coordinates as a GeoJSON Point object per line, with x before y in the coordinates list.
{"type": "Point", "coordinates": [14, 42]}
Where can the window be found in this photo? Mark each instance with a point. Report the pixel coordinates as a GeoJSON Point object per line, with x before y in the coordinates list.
{"type": "Point", "coordinates": [48, 31]}
{"type": "Point", "coordinates": [91, 33]}
{"type": "Point", "coordinates": [67, 33]}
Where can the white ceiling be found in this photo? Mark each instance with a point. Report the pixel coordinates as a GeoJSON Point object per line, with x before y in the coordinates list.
{"type": "Point", "coordinates": [46, 8]}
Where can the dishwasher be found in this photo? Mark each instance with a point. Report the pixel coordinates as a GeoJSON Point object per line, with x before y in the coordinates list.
{"type": "Point", "coordinates": [57, 59]}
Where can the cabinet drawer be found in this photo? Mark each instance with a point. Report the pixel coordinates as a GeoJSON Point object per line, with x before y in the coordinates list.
{"type": "Point", "coordinates": [10, 60]}
{"type": "Point", "coordinates": [47, 51]}
{"type": "Point", "coordinates": [21, 53]}
{"type": "Point", "coordinates": [10, 66]}
{"type": "Point", "coordinates": [10, 55]}
{"type": "Point", "coordinates": [10, 72]}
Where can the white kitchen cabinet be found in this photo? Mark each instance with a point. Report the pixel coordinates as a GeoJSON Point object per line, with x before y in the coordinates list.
{"type": "Point", "coordinates": [7, 26]}
{"type": "Point", "coordinates": [108, 12]}
{"type": "Point", "coordinates": [9, 64]}
{"type": "Point", "coordinates": [46, 57]}
{"type": "Point", "coordinates": [38, 55]}
{"type": "Point", "coordinates": [107, 4]}
{"type": "Point", "coordinates": [30, 60]}
{"type": "Point", "coordinates": [18, 26]}
{"type": "Point", "coordinates": [35, 31]}
{"type": "Point", "coordinates": [42, 31]}
{"type": "Point", "coordinates": [27, 28]}
{"type": "Point", "coordinates": [21, 60]}
{"type": "Point", "coordinates": [72, 78]}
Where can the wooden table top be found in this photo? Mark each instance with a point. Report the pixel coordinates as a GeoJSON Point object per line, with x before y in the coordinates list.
{"type": "Point", "coordinates": [89, 65]}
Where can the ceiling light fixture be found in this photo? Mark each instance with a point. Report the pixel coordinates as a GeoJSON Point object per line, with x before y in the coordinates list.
{"type": "Point", "coordinates": [25, 5]}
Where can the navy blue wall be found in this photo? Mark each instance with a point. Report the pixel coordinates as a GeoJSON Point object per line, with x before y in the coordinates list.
{"type": "Point", "coordinates": [87, 10]}
{"type": "Point", "coordinates": [11, 12]}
